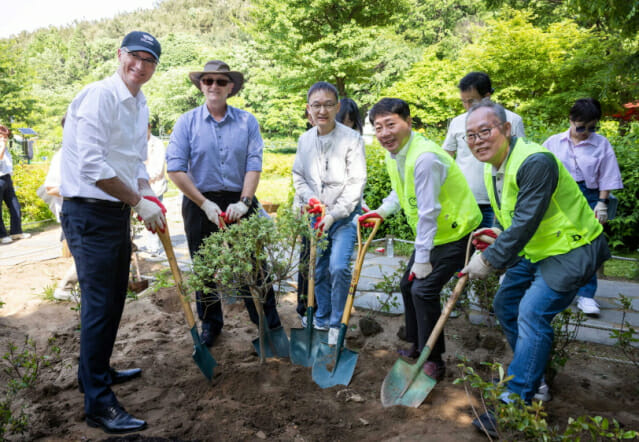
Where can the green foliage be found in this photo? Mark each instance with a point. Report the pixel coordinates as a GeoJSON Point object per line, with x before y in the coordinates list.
{"type": "Point", "coordinates": [519, 421]}
{"type": "Point", "coordinates": [26, 179]}
{"type": "Point", "coordinates": [627, 335]}
{"type": "Point", "coordinates": [17, 101]}
{"type": "Point", "coordinates": [565, 327]}
{"type": "Point", "coordinates": [389, 285]}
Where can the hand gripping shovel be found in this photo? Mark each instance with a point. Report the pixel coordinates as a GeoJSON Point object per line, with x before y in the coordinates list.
{"type": "Point", "coordinates": [201, 354]}
{"type": "Point", "coordinates": [407, 384]}
{"type": "Point", "coordinates": [276, 339]}
{"type": "Point", "coordinates": [305, 341]}
{"type": "Point", "coordinates": [336, 366]}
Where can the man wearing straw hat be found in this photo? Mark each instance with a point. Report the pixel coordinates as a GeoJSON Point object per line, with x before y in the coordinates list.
{"type": "Point", "coordinates": [215, 158]}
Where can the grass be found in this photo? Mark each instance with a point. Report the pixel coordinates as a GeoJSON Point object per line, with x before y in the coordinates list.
{"type": "Point", "coordinates": [47, 294]}
{"type": "Point", "coordinates": [616, 268]}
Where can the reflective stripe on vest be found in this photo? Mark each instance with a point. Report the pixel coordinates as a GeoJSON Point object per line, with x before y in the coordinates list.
{"type": "Point", "coordinates": [568, 222]}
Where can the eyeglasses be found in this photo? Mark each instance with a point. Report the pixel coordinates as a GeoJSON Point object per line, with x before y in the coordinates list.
{"type": "Point", "coordinates": [327, 106]}
{"type": "Point", "coordinates": [219, 81]}
{"type": "Point", "coordinates": [149, 61]}
{"type": "Point", "coordinates": [582, 129]}
{"type": "Point", "coordinates": [470, 101]}
{"type": "Point", "coordinates": [472, 138]}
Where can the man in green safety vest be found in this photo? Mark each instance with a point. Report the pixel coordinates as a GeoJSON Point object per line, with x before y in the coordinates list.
{"type": "Point", "coordinates": [547, 239]}
{"type": "Point", "coordinates": [440, 208]}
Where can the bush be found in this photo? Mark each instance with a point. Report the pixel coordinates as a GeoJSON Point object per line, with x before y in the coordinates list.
{"type": "Point", "coordinates": [26, 180]}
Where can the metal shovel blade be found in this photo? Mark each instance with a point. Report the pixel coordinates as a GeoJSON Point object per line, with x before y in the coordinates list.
{"type": "Point", "coordinates": [305, 343]}
{"type": "Point", "coordinates": [334, 365]}
{"type": "Point", "coordinates": [201, 355]}
{"type": "Point", "coordinates": [276, 343]}
{"type": "Point", "coordinates": [402, 386]}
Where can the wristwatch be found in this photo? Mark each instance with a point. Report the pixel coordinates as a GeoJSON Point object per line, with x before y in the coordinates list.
{"type": "Point", "coordinates": [246, 200]}
{"type": "Point", "coordinates": [603, 200]}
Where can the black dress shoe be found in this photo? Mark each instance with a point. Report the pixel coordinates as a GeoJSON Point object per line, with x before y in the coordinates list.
{"type": "Point", "coordinates": [209, 337]}
{"type": "Point", "coordinates": [120, 376]}
{"type": "Point", "coordinates": [115, 419]}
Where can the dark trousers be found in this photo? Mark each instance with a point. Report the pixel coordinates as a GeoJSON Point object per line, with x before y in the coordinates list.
{"type": "Point", "coordinates": [100, 242]}
{"type": "Point", "coordinates": [302, 277]}
{"type": "Point", "coordinates": [198, 227]}
{"type": "Point", "coordinates": [8, 196]}
{"type": "Point", "coordinates": [422, 306]}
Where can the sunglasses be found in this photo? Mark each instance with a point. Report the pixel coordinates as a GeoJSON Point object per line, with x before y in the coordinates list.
{"type": "Point", "coordinates": [582, 129]}
{"type": "Point", "coordinates": [220, 81]}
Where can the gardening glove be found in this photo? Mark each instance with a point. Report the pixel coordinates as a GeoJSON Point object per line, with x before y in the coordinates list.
{"type": "Point", "coordinates": [601, 212]}
{"type": "Point", "coordinates": [212, 211]}
{"type": "Point", "coordinates": [146, 191]}
{"type": "Point", "coordinates": [236, 211]}
{"type": "Point", "coordinates": [420, 270]}
{"type": "Point", "coordinates": [314, 206]}
{"type": "Point", "coordinates": [151, 211]}
{"type": "Point", "coordinates": [324, 224]}
{"type": "Point", "coordinates": [482, 237]}
{"type": "Point", "coordinates": [477, 268]}
{"type": "Point", "coordinates": [369, 216]}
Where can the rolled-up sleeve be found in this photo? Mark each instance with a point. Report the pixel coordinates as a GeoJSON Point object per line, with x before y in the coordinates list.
{"type": "Point", "coordinates": [609, 174]}
{"type": "Point", "coordinates": [96, 113]}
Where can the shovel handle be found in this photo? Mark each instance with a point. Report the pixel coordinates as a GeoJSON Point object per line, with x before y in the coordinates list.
{"type": "Point", "coordinates": [361, 252]}
{"type": "Point", "coordinates": [310, 293]}
{"type": "Point", "coordinates": [165, 237]}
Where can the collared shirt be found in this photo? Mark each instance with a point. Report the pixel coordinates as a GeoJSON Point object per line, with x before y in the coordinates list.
{"type": "Point", "coordinates": [6, 163]}
{"type": "Point", "coordinates": [430, 174]}
{"type": "Point", "coordinates": [592, 160]}
{"type": "Point", "coordinates": [215, 154]}
{"type": "Point", "coordinates": [471, 167]}
{"type": "Point", "coordinates": [104, 137]}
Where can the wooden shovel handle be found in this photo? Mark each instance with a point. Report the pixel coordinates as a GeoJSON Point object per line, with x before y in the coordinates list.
{"type": "Point", "coordinates": [165, 237]}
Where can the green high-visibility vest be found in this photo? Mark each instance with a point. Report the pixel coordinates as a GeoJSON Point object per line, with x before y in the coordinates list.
{"type": "Point", "coordinates": [459, 215]}
{"type": "Point", "coordinates": [568, 222]}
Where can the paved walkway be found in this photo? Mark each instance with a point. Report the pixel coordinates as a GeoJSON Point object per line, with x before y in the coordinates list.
{"type": "Point", "coordinates": [45, 245]}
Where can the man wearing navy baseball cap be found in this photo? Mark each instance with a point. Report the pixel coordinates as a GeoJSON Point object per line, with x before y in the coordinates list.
{"type": "Point", "coordinates": [103, 177]}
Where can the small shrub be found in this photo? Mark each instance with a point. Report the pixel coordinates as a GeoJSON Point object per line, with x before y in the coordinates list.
{"type": "Point", "coordinates": [625, 336]}
{"type": "Point", "coordinates": [26, 180]}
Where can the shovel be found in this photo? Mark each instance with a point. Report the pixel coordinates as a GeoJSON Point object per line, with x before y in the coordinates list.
{"type": "Point", "coordinates": [335, 366]}
{"type": "Point", "coordinates": [305, 341]}
{"type": "Point", "coordinates": [201, 354]}
{"type": "Point", "coordinates": [276, 339]}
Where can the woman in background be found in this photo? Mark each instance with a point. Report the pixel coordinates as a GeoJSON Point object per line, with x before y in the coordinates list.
{"type": "Point", "coordinates": [348, 115]}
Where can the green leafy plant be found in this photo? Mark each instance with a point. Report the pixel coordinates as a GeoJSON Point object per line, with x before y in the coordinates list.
{"type": "Point", "coordinates": [389, 285]}
{"type": "Point", "coordinates": [565, 326]}
{"type": "Point", "coordinates": [626, 335]}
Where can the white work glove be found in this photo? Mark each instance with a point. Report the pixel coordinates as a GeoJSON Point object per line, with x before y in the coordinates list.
{"type": "Point", "coordinates": [601, 212]}
{"type": "Point", "coordinates": [477, 268]}
{"type": "Point", "coordinates": [212, 211]}
{"type": "Point", "coordinates": [236, 211]}
{"type": "Point", "coordinates": [146, 191]}
{"type": "Point", "coordinates": [420, 270]}
{"type": "Point", "coordinates": [151, 213]}
{"type": "Point", "coordinates": [326, 223]}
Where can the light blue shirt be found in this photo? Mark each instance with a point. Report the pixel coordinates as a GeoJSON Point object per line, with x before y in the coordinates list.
{"type": "Point", "coordinates": [215, 154]}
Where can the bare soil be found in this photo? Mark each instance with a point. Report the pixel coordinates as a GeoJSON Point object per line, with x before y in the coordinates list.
{"type": "Point", "coordinates": [276, 400]}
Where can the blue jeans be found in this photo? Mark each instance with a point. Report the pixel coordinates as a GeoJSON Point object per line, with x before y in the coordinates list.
{"type": "Point", "coordinates": [8, 196]}
{"type": "Point", "coordinates": [488, 216]}
{"type": "Point", "coordinates": [592, 196]}
{"type": "Point", "coordinates": [525, 307]}
{"type": "Point", "coordinates": [333, 272]}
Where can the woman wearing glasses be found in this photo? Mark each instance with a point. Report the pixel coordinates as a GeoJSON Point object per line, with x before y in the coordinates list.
{"type": "Point", "coordinates": [591, 161]}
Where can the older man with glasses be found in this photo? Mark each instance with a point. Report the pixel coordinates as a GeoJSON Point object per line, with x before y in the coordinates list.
{"type": "Point", "coordinates": [214, 157]}
{"type": "Point", "coordinates": [550, 246]}
{"type": "Point", "coordinates": [103, 177]}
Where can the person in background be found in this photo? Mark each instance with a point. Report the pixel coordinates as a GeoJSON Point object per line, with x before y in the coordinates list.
{"type": "Point", "coordinates": [8, 193]}
{"type": "Point", "coordinates": [156, 166]}
{"type": "Point", "coordinates": [349, 115]}
{"type": "Point", "coordinates": [330, 170]}
{"type": "Point", "coordinates": [591, 161]}
{"type": "Point", "coordinates": [103, 177]}
{"type": "Point", "coordinates": [214, 157]}
{"type": "Point", "coordinates": [546, 238]}
{"type": "Point", "coordinates": [474, 87]}
{"type": "Point", "coordinates": [439, 206]}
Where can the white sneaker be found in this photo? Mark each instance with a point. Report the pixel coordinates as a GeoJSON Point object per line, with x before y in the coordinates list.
{"type": "Point", "coordinates": [588, 305]}
{"type": "Point", "coordinates": [6, 240]}
{"type": "Point", "coordinates": [319, 327]}
{"type": "Point", "coordinates": [543, 392]}
{"type": "Point", "coordinates": [21, 236]}
{"type": "Point", "coordinates": [63, 295]}
{"type": "Point", "coordinates": [304, 321]}
{"type": "Point", "coordinates": [333, 333]}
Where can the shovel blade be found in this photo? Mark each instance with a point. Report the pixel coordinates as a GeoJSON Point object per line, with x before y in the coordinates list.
{"type": "Point", "coordinates": [201, 355]}
{"type": "Point", "coordinates": [275, 342]}
{"type": "Point", "coordinates": [305, 343]}
{"type": "Point", "coordinates": [334, 365]}
{"type": "Point", "coordinates": [399, 387]}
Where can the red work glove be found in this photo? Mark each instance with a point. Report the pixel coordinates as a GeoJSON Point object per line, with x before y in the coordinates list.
{"type": "Point", "coordinates": [314, 206]}
{"type": "Point", "coordinates": [369, 216]}
{"type": "Point", "coordinates": [481, 237]}
{"type": "Point", "coordinates": [155, 200]}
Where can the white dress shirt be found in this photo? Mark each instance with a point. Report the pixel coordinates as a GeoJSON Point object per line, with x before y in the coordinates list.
{"type": "Point", "coordinates": [105, 135]}
{"type": "Point", "coordinates": [471, 167]}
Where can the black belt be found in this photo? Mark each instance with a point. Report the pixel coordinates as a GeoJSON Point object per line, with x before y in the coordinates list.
{"type": "Point", "coordinates": [98, 202]}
